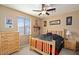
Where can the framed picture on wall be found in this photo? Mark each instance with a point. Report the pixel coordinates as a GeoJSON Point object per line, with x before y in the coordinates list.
{"type": "Point", "coordinates": [55, 22]}
{"type": "Point", "coordinates": [45, 23]}
{"type": "Point", "coordinates": [8, 22]}
{"type": "Point", "coordinates": [69, 20]}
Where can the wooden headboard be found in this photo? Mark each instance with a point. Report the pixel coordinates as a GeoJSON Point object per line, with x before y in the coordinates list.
{"type": "Point", "coordinates": [60, 32]}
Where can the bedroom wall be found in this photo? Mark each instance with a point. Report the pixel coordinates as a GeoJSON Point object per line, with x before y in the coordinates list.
{"type": "Point", "coordinates": [4, 11]}
{"type": "Point", "coordinates": [74, 28]}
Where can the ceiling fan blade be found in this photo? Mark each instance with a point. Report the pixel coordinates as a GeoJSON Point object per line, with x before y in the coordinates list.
{"type": "Point", "coordinates": [37, 10]}
{"type": "Point", "coordinates": [51, 9]}
{"type": "Point", "coordinates": [47, 13]}
{"type": "Point", "coordinates": [39, 14]}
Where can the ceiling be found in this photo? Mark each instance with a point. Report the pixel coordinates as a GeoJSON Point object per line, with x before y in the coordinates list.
{"type": "Point", "coordinates": [28, 8]}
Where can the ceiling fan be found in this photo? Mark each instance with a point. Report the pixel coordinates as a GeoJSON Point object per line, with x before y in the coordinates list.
{"type": "Point", "coordinates": [44, 10]}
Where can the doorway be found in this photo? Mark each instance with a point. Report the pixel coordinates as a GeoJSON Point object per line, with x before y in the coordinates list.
{"type": "Point", "coordinates": [24, 30]}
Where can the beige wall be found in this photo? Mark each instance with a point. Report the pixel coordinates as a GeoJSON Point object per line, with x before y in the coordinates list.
{"type": "Point", "coordinates": [4, 11]}
{"type": "Point", "coordinates": [74, 28]}
{"type": "Point", "coordinates": [11, 12]}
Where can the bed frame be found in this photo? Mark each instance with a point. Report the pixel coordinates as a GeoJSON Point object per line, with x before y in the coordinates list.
{"type": "Point", "coordinates": [42, 46]}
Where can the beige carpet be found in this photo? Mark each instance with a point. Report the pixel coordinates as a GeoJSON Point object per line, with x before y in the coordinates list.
{"type": "Point", "coordinates": [67, 52]}
{"type": "Point", "coordinates": [26, 51]}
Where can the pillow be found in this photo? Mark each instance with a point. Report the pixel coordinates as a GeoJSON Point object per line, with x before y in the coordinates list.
{"type": "Point", "coordinates": [49, 34]}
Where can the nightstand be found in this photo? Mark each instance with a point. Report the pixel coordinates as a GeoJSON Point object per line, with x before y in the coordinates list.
{"type": "Point", "coordinates": [77, 47]}
{"type": "Point", "coordinates": [70, 44]}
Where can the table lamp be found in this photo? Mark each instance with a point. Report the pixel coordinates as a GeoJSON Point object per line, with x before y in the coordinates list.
{"type": "Point", "coordinates": [68, 34]}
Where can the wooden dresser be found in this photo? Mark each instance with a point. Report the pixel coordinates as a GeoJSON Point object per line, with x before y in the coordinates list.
{"type": "Point", "coordinates": [9, 42]}
{"type": "Point", "coordinates": [70, 44]}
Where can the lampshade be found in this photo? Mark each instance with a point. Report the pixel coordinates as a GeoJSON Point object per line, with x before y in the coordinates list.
{"type": "Point", "coordinates": [68, 33]}
{"type": "Point", "coordinates": [43, 12]}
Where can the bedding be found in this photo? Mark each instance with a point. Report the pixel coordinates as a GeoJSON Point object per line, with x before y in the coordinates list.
{"type": "Point", "coordinates": [58, 39]}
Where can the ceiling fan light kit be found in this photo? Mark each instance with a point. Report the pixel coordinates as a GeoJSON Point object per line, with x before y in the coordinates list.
{"type": "Point", "coordinates": [43, 12]}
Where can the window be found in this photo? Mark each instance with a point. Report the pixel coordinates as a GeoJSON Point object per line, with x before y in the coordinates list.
{"type": "Point", "coordinates": [21, 25]}
{"type": "Point", "coordinates": [24, 26]}
{"type": "Point", "coordinates": [27, 26]}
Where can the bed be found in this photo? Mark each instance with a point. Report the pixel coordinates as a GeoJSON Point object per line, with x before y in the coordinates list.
{"type": "Point", "coordinates": [50, 43]}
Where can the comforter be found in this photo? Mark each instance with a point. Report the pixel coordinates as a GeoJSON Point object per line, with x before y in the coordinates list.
{"type": "Point", "coordinates": [58, 40]}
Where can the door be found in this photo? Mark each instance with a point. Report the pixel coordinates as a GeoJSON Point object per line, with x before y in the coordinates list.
{"type": "Point", "coordinates": [27, 28]}
{"type": "Point", "coordinates": [24, 30]}
{"type": "Point", "coordinates": [21, 30]}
